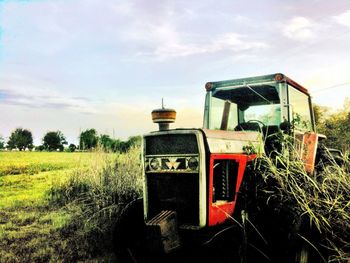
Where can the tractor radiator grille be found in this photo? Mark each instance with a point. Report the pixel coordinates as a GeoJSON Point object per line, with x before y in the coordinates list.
{"type": "Point", "coordinates": [171, 144]}
{"type": "Point", "coordinates": [174, 191]}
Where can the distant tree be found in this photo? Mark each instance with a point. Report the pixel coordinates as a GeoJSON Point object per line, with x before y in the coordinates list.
{"type": "Point", "coordinates": [320, 114]}
{"type": "Point", "coordinates": [335, 125]}
{"type": "Point", "coordinates": [54, 140]}
{"type": "Point", "coordinates": [106, 142]}
{"type": "Point", "coordinates": [124, 146]}
{"type": "Point", "coordinates": [2, 143]}
{"type": "Point", "coordinates": [88, 139]}
{"type": "Point", "coordinates": [40, 148]}
{"type": "Point", "coordinates": [21, 139]}
{"type": "Point", "coordinates": [116, 145]}
{"type": "Point", "coordinates": [134, 141]}
{"type": "Point", "coordinates": [72, 147]}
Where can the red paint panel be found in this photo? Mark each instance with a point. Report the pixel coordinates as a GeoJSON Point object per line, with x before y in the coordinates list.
{"type": "Point", "coordinates": [310, 141]}
{"type": "Point", "coordinates": [306, 146]}
{"type": "Point", "coordinates": [220, 211]}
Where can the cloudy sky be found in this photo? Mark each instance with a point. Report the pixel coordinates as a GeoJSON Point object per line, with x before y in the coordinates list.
{"type": "Point", "coordinates": [70, 65]}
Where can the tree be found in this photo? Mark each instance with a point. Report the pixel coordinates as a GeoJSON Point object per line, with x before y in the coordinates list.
{"type": "Point", "coordinates": [335, 125]}
{"type": "Point", "coordinates": [40, 148]}
{"type": "Point", "coordinates": [134, 141]}
{"type": "Point", "coordinates": [21, 139]}
{"type": "Point", "coordinates": [54, 140]}
{"type": "Point", "coordinates": [88, 139]}
{"type": "Point", "coordinates": [2, 143]}
{"type": "Point", "coordinates": [106, 142]}
{"type": "Point", "coordinates": [72, 147]}
{"type": "Point", "coordinates": [124, 146]}
{"type": "Point", "coordinates": [320, 114]}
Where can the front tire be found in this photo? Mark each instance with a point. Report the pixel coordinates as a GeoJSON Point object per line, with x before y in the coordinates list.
{"type": "Point", "coordinates": [129, 234]}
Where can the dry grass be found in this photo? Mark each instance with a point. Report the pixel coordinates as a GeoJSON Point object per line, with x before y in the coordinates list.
{"type": "Point", "coordinates": [314, 208]}
{"type": "Point", "coordinates": [61, 207]}
{"type": "Point", "coordinates": [96, 195]}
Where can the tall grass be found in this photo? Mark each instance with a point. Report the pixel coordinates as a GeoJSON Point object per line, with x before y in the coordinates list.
{"type": "Point", "coordinates": [292, 206]}
{"type": "Point", "coordinates": [95, 196]}
{"type": "Point", "coordinates": [313, 208]}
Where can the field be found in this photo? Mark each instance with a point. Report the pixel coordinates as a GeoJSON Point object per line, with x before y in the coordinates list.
{"type": "Point", "coordinates": [39, 221]}
{"type": "Point", "coordinates": [62, 207]}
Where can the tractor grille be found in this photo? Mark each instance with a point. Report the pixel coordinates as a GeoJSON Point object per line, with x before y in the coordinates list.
{"type": "Point", "coordinates": [174, 191]}
{"type": "Point", "coordinates": [172, 172]}
{"type": "Point", "coordinates": [171, 144]}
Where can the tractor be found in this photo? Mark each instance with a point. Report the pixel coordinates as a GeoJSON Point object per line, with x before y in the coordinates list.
{"type": "Point", "coordinates": [193, 178]}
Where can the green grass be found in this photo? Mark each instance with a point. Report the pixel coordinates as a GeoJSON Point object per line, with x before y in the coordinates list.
{"type": "Point", "coordinates": [30, 227]}
{"type": "Point", "coordinates": [96, 195]}
{"type": "Point", "coordinates": [12, 163]}
{"type": "Point", "coordinates": [64, 211]}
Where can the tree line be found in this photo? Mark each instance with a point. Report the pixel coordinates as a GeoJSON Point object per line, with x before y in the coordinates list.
{"type": "Point", "coordinates": [335, 125]}
{"type": "Point", "coordinates": [22, 139]}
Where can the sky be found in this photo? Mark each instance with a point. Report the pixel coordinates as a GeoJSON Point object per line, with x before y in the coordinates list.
{"type": "Point", "coordinates": [70, 65]}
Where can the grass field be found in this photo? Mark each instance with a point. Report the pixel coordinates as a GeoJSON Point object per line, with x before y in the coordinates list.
{"type": "Point", "coordinates": [61, 207]}
{"type": "Point", "coordinates": [25, 176]}
{"type": "Point", "coordinates": [33, 228]}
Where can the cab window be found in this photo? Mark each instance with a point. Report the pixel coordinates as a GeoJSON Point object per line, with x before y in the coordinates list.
{"type": "Point", "coordinates": [301, 114]}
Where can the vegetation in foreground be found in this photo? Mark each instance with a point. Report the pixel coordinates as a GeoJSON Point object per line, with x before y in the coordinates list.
{"type": "Point", "coordinates": [58, 212]}
{"type": "Point", "coordinates": [28, 226]}
{"type": "Point", "coordinates": [48, 203]}
{"type": "Point", "coordinates": [95, 196]}
{"type": "Point", "coordinates": [295, 210]}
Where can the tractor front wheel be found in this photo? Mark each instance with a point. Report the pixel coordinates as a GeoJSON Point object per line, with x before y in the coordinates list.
{"type": "Point", "coordinates": [129, 234]}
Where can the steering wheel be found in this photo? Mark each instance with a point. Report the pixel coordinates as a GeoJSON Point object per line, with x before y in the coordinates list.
{"type": "Point", "coordinates": [261, 124]}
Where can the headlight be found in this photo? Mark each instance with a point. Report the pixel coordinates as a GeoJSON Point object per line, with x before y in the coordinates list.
{"type": "Point", "coordinates": [154, 164]}
{"type": "Point", "coordinates": [192, 163]}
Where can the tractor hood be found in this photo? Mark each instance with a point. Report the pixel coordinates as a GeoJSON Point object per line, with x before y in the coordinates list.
{"type": "Point", "coordinates": [220, 141]}
{"type": "Point", "coordinates": [233, 141]}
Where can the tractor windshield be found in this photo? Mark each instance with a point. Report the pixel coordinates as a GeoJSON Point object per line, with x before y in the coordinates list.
{"type": "Point", "coordinates": [244, 108]}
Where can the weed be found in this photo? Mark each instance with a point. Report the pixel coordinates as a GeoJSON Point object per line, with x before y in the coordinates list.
{"type": "Point", "coordinates": [305, 207]}
{"type": "Point", "coordinates": [95, 195]}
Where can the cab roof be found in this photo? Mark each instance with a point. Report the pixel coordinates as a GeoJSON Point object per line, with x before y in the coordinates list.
{"type": "Point", "coordinates": [277, 77]}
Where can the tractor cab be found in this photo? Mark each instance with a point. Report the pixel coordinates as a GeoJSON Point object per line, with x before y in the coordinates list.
{"type": "Point", "coordinates": [268, 104]}
{"type": "Point", "coordinates": [265, 104]}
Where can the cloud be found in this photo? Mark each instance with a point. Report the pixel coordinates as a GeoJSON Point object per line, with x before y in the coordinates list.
{"type": "Point", "coordinates": [343, 19]}
{"type": "Point", "coordinates": [165, 42]}
{"type": "Point", "coordinates": [300, 29]}
{"type": "Point", "coordinates": [45, 99]}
